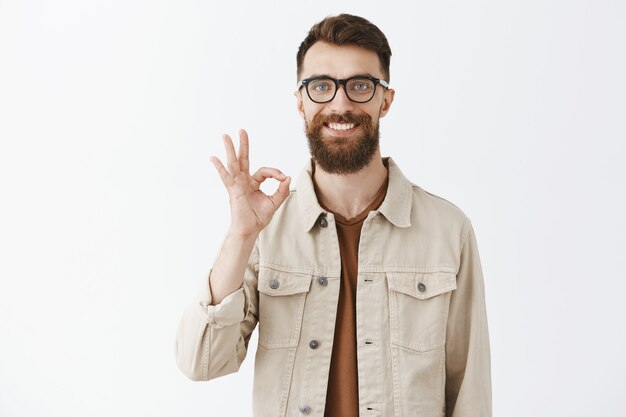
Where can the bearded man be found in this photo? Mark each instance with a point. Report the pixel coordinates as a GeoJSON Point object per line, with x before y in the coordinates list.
{"type": "Point", "coordinates": [368, 290]}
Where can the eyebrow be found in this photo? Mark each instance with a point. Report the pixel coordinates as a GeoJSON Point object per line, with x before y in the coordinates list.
{"type": "Point", "coordinates": [352, 76]}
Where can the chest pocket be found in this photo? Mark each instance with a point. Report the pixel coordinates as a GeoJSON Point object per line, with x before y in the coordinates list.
{"type": "Point", "coordinates": [281, 306]}
{"type": "Point", "coordinates": [418, 308]}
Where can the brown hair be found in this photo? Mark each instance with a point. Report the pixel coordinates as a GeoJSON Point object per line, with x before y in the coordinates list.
{"type": "Point", "coordinates": [347, 29]}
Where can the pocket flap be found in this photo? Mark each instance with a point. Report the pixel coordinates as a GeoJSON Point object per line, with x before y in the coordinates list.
{"type": "Point", "coordinates": [277, 283]}
{"type": "Point", "coordinates": [422, 285]}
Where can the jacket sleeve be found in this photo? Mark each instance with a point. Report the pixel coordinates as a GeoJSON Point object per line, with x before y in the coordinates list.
{"type": "Point", "coordinates": [468, 363]}
{"type": "Point", "coordinates": [212, 341]}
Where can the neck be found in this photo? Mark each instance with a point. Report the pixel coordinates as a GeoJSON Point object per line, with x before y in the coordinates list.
{"type": "Point", "coordinates": [350, 194]}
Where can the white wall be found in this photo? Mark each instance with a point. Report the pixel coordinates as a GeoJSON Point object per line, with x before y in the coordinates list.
{"type": "Point", "coordinates": [111, 213]}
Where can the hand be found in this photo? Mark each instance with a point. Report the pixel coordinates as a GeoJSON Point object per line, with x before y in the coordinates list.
{"type": "Point", "coordinates": [251, 209]}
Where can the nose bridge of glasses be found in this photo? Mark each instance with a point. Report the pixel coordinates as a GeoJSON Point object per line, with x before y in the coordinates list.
{"type": "Point", "coordinates": [341, 102]}
{"type": "Point", "coordinates": [338, 85]}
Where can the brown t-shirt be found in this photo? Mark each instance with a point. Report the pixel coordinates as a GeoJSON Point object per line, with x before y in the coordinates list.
{"type": "Point", "coordinates": [342, 396]}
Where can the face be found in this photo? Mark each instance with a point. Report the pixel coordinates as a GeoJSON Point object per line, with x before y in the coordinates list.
{"type": "Point", "coordinates": [342, 135]}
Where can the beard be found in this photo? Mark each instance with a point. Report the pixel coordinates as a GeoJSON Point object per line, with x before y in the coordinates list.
{"type": "Point", "coordinates": [341, 154]}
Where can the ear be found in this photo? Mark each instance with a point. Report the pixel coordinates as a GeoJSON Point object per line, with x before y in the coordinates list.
{"type": "Point", "coordinates": [387, 100]}
{"type": "Point", "coordinates": [299, 103]}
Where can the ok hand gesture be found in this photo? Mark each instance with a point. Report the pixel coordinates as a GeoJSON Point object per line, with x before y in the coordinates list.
{"type": "Point", "coordinates": [251, 209]}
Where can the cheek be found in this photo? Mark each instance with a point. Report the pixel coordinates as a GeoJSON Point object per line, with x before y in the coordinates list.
{"type": "Point", "coordinates": [311, 110]}
{"type": "Point", "coordinates": [374, 112]}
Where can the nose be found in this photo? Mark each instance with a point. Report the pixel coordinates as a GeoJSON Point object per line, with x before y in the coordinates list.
{"type": "Point", "coordinates": [341, 103]}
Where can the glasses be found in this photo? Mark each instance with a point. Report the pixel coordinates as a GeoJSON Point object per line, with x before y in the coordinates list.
{"type": "Point", "coordinates": [359, 89]}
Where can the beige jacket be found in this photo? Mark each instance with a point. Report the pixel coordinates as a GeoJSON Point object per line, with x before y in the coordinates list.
{"type": "Point", "coordinates": [422, 337]}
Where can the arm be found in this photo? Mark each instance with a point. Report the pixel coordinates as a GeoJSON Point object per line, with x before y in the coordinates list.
{"type": "Point", "coordinates": [212, 340]}
{"type": "Point", "coordinates": [213, 334]}
{"type": "Point", "coordinates": [468, 364]}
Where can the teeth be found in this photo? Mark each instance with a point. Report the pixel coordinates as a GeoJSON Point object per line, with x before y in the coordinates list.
{"type": "Point", "coordinates": [341, 126]}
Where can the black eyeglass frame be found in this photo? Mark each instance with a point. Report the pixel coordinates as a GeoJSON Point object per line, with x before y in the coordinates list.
{"type": "Point", "coordinates": [337, 82]}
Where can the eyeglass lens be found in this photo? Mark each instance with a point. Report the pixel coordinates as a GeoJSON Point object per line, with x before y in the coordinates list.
{"type": "Point", "coordinates": [357, 89]}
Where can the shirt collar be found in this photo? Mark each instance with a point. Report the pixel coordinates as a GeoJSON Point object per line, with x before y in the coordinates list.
{"type": "Point", "coordinates": [396, 207]}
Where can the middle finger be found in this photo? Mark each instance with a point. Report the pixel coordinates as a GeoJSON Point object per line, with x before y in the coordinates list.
{"type": "Point", "coordinates": [244, 162]}
{"type": "Point", "coordinates": [231, 157]}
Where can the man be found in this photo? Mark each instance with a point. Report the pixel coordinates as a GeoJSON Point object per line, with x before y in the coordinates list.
{"type": "Point", "coordinates": [368, 290]}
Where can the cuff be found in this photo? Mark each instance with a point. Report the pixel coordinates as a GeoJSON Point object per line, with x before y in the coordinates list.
{"type": "Point", "coordinates": [228, 312]}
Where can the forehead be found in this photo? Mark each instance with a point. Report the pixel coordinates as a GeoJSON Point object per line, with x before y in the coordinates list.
{"type": "Point", "coordinates": [340, 61]}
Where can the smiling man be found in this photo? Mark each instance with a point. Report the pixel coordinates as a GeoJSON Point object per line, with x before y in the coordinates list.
{"type": "Point", "coordinates": [368, 290]}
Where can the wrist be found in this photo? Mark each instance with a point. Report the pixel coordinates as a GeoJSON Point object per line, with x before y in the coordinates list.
{"type": "Point", "coordinates": [242, 236]}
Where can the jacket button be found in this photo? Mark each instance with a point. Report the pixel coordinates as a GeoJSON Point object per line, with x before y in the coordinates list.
{"type": "Point", "coordinates": [305, 409]}
{"type": "Point", "coordinates": [421, 287]}
{"type": "Point", "coordinates": [274, 284]}
{"type": "Point", "coordinates": [323, 222]}
{"type": "Point", "coordinates": [313, 344]}
{"type": "Point", "coordinates": [323, 281]}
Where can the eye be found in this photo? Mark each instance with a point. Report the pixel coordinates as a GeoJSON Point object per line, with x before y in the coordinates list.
{"type": "Point", "coordinates": [321, 86]}
{"type": "Point", "coordinates": [361, 86]}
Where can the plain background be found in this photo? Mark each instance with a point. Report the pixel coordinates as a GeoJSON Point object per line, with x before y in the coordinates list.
{"type": "Point", "coordinates": [111, 213]}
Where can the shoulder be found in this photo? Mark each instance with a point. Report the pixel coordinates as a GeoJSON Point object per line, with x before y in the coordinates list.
{"type": "Point", "coordinates": [436, 210]}
{"type": "Point", "coordinates": [443, 205]}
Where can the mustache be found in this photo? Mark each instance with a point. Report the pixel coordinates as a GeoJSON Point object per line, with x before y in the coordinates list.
{"type": "Point", "coordinates": [321, 119]}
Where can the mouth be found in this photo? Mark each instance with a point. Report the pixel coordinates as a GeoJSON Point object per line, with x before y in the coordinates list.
{"type": "Point", "coordinates": [341, 129]}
